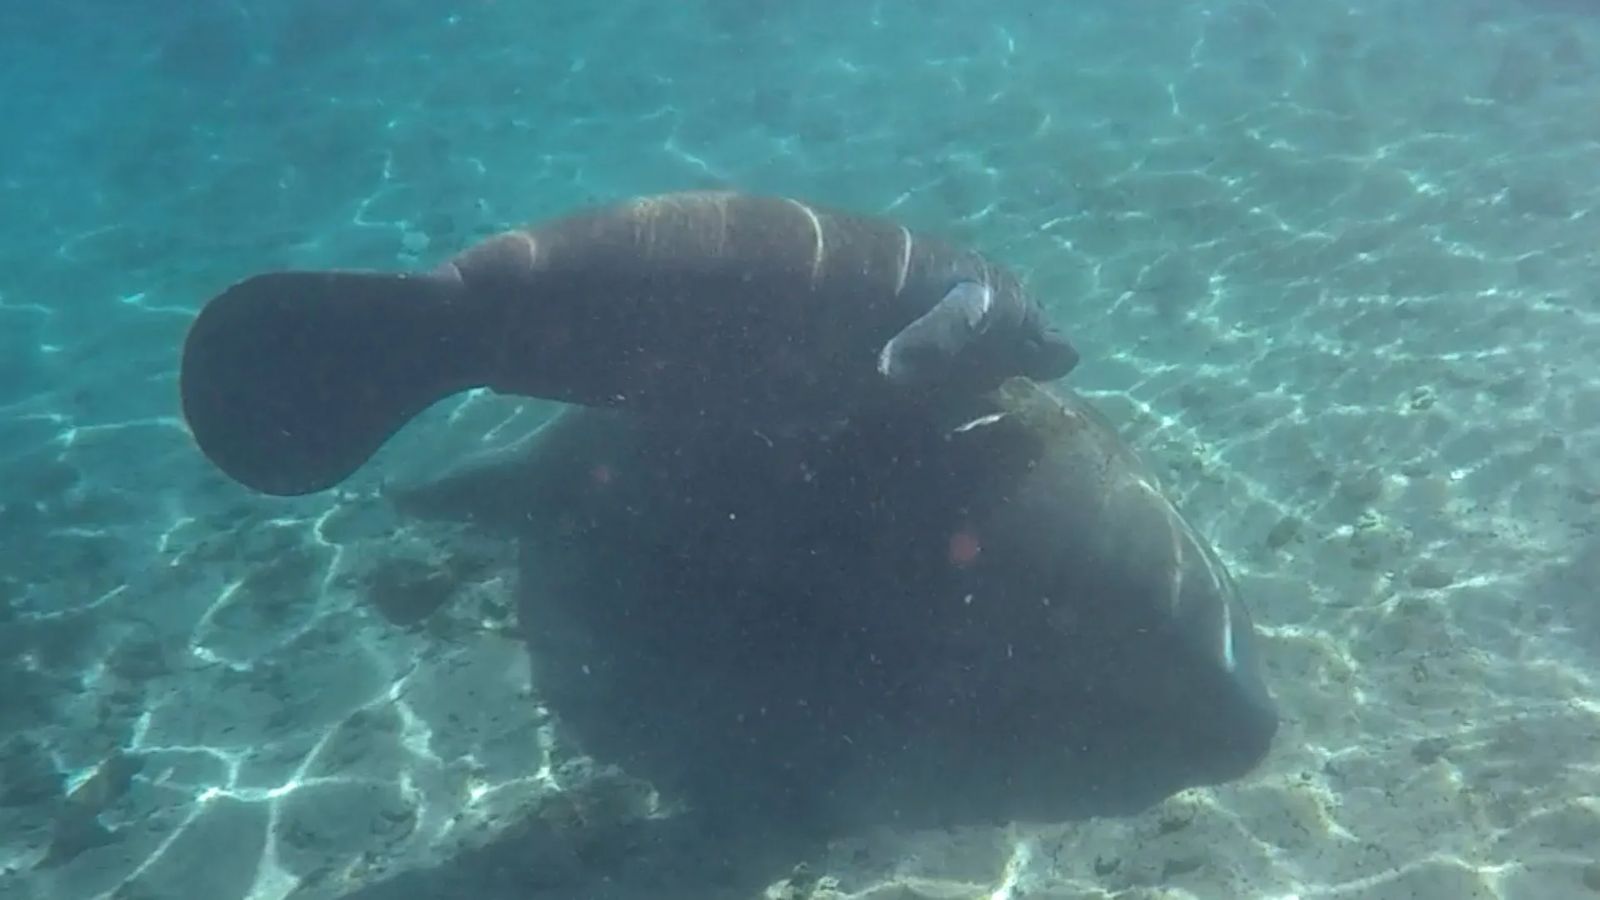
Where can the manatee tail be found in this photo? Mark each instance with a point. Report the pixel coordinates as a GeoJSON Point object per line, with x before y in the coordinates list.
{"type": "Point", "coordinates": [291, 380]}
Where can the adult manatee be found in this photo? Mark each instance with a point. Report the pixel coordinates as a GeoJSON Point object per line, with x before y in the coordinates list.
{"type": "Point", "coordinates": [993, 612]}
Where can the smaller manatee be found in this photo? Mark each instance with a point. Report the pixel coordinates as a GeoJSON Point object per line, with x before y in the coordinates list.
{"type": "Point", "coordinates": [717, 306]}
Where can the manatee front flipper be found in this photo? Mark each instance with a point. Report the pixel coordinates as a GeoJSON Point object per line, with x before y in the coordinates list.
{"type": "Point", "coordinates": [929, 345]}
{"type": "Point", "coordinates": [291, 380]}
{"type": "Point", "coordinates": [965, 336]}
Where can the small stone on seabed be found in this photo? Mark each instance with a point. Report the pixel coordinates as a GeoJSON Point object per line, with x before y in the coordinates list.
{"type": "Point", "coordinates": [1362, 487]}
{"type": "Point", "coordinates": [1287, 529]}
{"type": "Point", "coordinates": [1429, 750]}
{"type": "Point", "coordinates": [1430, 574]}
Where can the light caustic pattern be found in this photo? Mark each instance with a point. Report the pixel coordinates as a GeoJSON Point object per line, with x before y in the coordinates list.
{"type": "Point", "coordinates": [1331, 265]}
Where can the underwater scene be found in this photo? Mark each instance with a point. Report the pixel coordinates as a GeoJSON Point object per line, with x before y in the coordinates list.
{"type": "Point", "coordinates": [831, 450]}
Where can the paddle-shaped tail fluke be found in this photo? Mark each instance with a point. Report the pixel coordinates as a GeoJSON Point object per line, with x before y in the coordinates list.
{"type": "Point", "coordinates": [291, 380]}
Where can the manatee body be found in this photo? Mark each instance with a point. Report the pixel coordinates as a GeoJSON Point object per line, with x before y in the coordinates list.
{"type": "Point", "coordinates": [697, 305]}
{"type": "Point", "coordinates": [989, 613]}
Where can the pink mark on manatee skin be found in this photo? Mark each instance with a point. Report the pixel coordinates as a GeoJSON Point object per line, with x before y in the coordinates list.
{"type": "Point", "coordinates": [964, 548]}
{"type": "Point", "coordinates": [600, 475]}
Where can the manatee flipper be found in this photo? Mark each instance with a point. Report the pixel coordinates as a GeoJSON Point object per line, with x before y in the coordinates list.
{"type": "Point", "coordinates": [291, 380]}
{"type": "Point", "coordinates": [939, 345]}
{"type": "Point", "coordinates": [923, 349]}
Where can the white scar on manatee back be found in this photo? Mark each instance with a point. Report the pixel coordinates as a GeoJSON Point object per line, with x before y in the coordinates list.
{"type": "Point", "coordinates": [646, 215]}
{"type": "Point", "coordinates": [818, 247]}
{"type": "Point", "coordinates": [649, 214]}
{"type": "Point", "coordinates": [905, 260]}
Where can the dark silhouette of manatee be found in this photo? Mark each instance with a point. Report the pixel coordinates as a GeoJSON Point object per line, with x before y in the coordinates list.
{"type": "Point", "coordinates": [703, 305]}
{"type": "Point", "coordinates": [922, 620]}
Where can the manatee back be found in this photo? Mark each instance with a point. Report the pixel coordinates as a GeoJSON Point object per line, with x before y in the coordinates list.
{"type": "Point", "coordinates": [751, 307]}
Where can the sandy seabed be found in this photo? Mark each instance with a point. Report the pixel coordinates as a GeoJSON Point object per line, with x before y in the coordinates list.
{"type": "Point", "coordinates": [1333, 270]}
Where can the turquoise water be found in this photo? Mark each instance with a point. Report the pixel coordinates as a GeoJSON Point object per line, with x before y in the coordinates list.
{"type": "Point", "coordinates": [1332, 268]}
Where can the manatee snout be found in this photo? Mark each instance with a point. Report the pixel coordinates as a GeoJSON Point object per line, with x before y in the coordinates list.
{"type": "Point", "coordinates": [1048, 355]}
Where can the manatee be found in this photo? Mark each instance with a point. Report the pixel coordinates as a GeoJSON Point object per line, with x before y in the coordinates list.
{"type": "Point", "coordinates": [694, 305]}
{"type": "Point", "coordinates": [989, 611]}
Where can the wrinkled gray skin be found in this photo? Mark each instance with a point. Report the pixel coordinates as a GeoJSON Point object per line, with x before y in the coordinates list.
{"type": "Point", "coordinates": [765, 625]}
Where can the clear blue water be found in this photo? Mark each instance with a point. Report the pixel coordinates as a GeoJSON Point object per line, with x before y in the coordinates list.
{"type": "Point", "coordinates": [1332, 268]}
